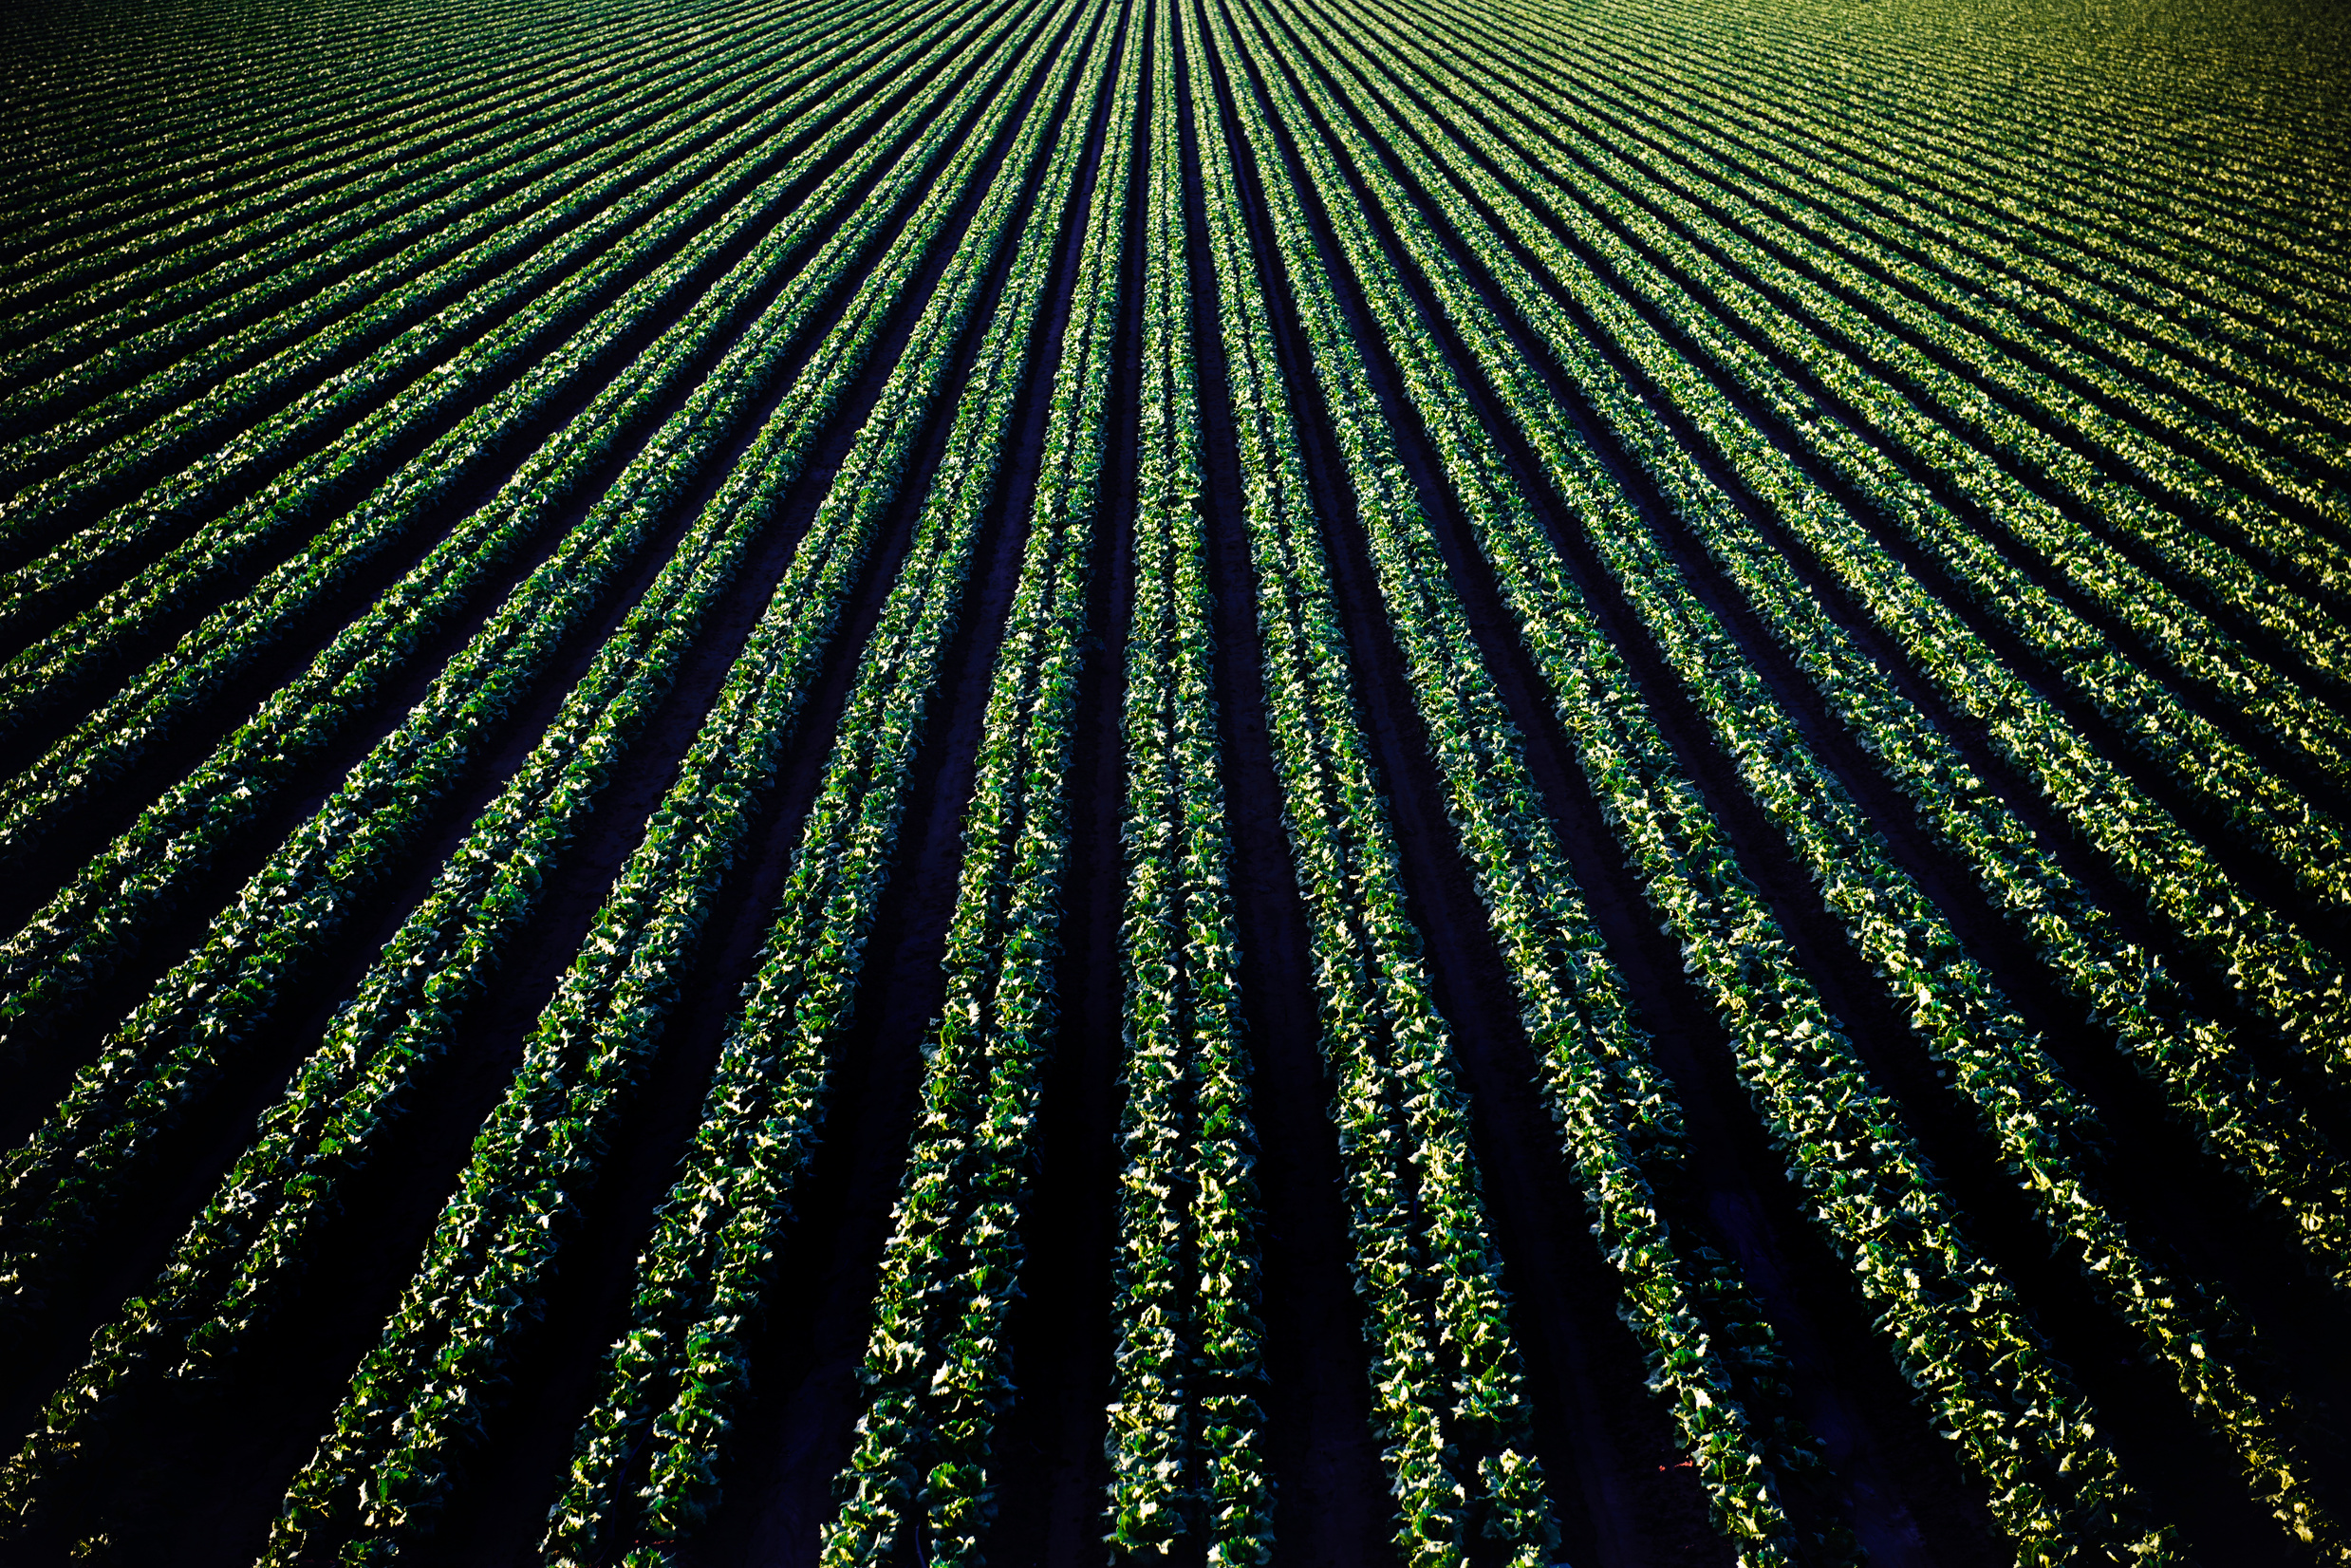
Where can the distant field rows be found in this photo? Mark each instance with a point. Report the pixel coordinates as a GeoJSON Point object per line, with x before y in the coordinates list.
{"type": "Point", "coordinates": [1191, 781]}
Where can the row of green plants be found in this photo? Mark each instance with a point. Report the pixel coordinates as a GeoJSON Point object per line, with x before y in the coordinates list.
{"type": "Point", "coordinates": [1186, 1429]}
{"type": "Point", "coordinates": [2158, 76]}
{"type": "Point", "coordinates": [2208, 274]}
{"type": "Point", "coordinates": [2041, 1129]}
{"type": "Point", "coordinates": [2110, 206]}
{"type": "Point", "coordinates": [199, 376]}
{"type": "Point", "coordinates": [417, 1401]}
{"type": "Point", "coordinates": [2266, 811]}
{"type": "Point", "coordinates": [2119, 304]}
{"type": "Point", "coordinates": [1952, 1320]}
{"type": "Point", "coordinates": [652, 1449]}
{"type": "Point", "coordinates": [97, 919]}
{"type": "Point", "coordinates": [215, 139]}
{"type": "Point", "coordinates": [89, 344]}
{"type": "Point", "coordinates": [938, 1369]}
{"type": "Point", "coordinates": [157, 221]}
{"type": "Point", "coordinates": [267, 491]}
{"type": "Point", "coordinates": [1421, 225]}
{"type": "Point", "coordinates": [2242, 187]}
{"type": "Point", "coordinates": [1709, 1353]}
{"type": "Point", "coordinates": [1780, 246]}
{"type": "Point", "coordinates": [2171, 626]}
{"type": "Point", "coordinates": [1447, 1386]}
{"type": "Point", "coordinates": [2148, 510]}
{"type": "Point", "coordinates": [179, 1041]}
{"type": "Point", "coordinates": [2244, 1112]}
{"type": "Point", "coordinates": [2137, 362]}
{"type": "Point", "coordinates": [2069, 437]}
{"type": "Point", "coordinates": [2257, 947]}
{"type": "Point", "coordinates": [239, 1263]}
{"type": "Point", "coordinates": [2275, 392]}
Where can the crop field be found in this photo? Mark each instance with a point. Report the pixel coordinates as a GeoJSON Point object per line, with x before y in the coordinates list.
{"type": "Point", "coordinates": [1352, 783]}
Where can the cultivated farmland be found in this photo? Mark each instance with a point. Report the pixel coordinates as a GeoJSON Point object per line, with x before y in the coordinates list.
{"type": "Point", "coordinates": [1334, 782]}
